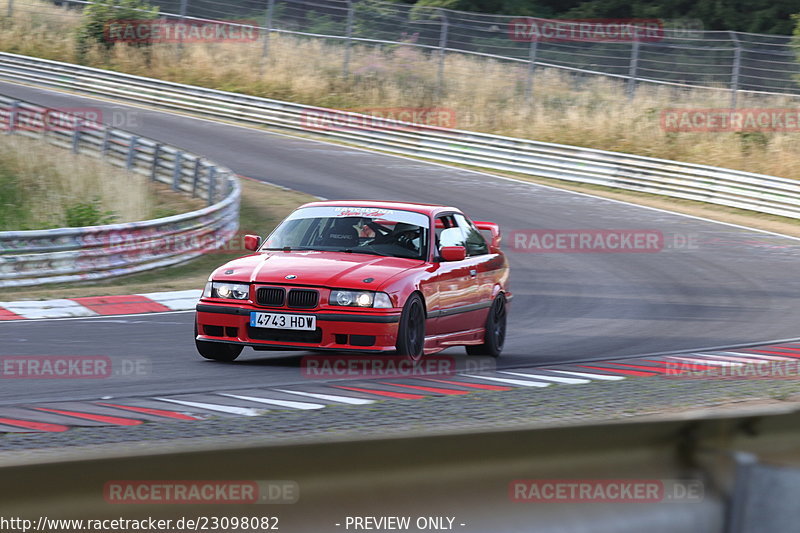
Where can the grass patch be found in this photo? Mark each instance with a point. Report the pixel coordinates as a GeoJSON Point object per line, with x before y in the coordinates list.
{"type": "Point", "coordinates": [12, 212]}
{"type": "Point", "coordinates": [262, 207]}
{"type": "Point", "coordinates": [43, 187]}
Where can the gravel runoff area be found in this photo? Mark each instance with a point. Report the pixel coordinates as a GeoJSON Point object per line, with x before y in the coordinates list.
{"type": "Point", "coordinates": [557, 405]}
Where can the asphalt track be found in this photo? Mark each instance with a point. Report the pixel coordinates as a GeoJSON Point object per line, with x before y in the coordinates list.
{"type": "Point", "coordinates": [730, 286]}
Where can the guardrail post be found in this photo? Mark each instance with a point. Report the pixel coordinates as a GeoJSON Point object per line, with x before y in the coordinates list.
{"type": "Point", "coordinates": [442, 47]}
{"type": "Point", "coordinates": [634, 65]}
{"type": "Point", "coordinates": [267, 30]}
{"type": "Point", "coordinates": [349, 40]}
{"type": "Point", "coordinates": [45, 123]}
{"type": "Point", "coordinates": [76, 135]}
{"type": "Point", "coordinates": [10, 8]}
{"type": "Point", "coordinates": [154, 164]}
{"type": "Point", "coordinates": [195, 176]}
{"type": "Point", "coordinates": [744, 464]}
{"type": "Point", "coordinates": [177, 169]}
{"type": "Point", "coordinates": [106, 141]}
{"type": "Point", "coordinates": [737, 65]}
{"type": "Point", "coordinates": [129, 160]}
{"type": "Point", "coordinates": [212, 183]}
{"type": "Point", "coordinates": [531, 67]}
{"type": "Point", "coordinates": [12, 116]}
{"type": "Point", "coordinates": [182, 15]}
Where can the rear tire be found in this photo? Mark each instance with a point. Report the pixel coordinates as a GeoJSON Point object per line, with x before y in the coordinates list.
{"type": "Point", "coordinates": [411, 331]}
{"type": "Point", "coordinates": [217, 351]}
{"type": "Point", "coordinates": [495, 335]}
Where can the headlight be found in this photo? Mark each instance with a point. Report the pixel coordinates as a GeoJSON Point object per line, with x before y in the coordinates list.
{"type": "Point", "coordinates": [235, 291]}
{"type": "Point", "coordinates": [360, 299]}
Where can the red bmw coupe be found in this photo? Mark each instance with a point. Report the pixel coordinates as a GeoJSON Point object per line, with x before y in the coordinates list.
{"type": "Point", "coordinates": [361, 276]}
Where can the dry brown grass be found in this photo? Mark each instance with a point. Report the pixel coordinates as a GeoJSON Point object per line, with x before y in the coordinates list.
{"type": "Point", "coordinates": [487, 95]}
{"type": "Point", "coordinates": [48, 181]}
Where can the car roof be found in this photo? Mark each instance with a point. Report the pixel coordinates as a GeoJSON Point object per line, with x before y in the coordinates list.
{"type": "Point", "coordinates": [427, 209]}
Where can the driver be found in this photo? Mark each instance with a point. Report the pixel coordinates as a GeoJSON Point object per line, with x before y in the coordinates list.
{"type": "Point", "coordinates": [407, 235]}
{"type": "Point", "coordinates": [364, 231]}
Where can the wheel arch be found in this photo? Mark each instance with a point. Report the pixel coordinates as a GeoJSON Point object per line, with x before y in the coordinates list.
{"type": "Point", "coordinates": [418, 292]}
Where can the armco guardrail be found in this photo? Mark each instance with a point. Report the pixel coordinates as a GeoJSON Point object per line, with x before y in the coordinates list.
{"type": "Point", "coordinates": [739, 469]}
{"type": "Point", "coordinates": [732, 188]}
{"type": "Point", "coordinates": [95, 252]}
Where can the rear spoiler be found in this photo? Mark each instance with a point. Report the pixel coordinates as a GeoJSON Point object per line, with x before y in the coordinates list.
{"type": "Point", "coordinates": [491, 232]}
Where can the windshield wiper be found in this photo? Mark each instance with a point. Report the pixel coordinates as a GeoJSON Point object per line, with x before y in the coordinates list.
{"type": "Point", "coordinates": [365, 250]}
{"type": "Point", "coordinates": [289, 248]}
{"type": "Point", "coordinates": [360, 250]}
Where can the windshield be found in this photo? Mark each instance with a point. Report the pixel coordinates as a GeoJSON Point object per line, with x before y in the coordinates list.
{"type": "Point", "coordinates": [364, 230]}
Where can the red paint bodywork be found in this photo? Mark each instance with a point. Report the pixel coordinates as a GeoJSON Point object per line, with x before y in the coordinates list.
{"type": "Point", "coordinates": [456, 294]}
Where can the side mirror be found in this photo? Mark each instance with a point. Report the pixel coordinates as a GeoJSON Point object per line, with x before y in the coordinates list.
{"type": "Point", "coordinates": [453, 253]}
{"type": "Point", "coordinates": [252, 242]}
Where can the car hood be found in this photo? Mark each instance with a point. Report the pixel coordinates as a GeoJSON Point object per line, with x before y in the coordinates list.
{"type": "Point", "coordinates": [319, 268]}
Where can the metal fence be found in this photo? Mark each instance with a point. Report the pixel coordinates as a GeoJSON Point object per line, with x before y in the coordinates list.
{"type": "Point", "coordinates": [733, 188]}
{"type": "Point", "coordinates": [682, 54]}
{"type": "Point", "coordinates": [96, 252]}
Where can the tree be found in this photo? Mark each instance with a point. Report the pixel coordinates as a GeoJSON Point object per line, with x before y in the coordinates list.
{"type": "Point", "coordinates": [97, 16]}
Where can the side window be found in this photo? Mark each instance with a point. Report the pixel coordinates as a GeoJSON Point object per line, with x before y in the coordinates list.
{"type": "Point", "coordinates": [475, 243]}
{"type": "Point", "coordinates": [448, 233]}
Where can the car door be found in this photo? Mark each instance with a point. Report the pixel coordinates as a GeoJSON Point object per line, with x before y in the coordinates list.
{"type": "Point", "coordinates": [481, 270]}
{"type": "Point", "coordinates": [455, 294]}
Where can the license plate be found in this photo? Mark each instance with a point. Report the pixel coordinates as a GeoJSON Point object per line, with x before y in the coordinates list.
{"type": "Point", "coordinates": [282, 321]}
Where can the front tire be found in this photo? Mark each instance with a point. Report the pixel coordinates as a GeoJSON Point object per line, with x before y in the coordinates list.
{"type": "Point", "coordinates": [411, 331]}
{"type": "Point", "coordinates": [217, 351]}
{"type": "Point", "coordinates": [495, 335]}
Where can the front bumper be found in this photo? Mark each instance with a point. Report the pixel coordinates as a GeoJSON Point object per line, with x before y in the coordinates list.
{"type": "Point", "coordinates": [336, 330]}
